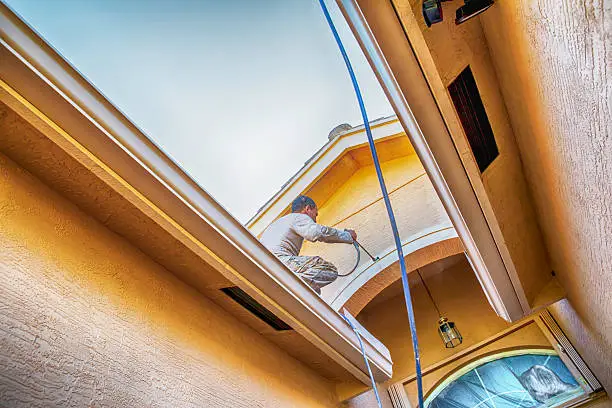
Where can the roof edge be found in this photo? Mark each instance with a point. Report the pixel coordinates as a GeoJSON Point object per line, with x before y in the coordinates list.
{"type": "Point", "coordinates": [134, 159]}
{"type": "Point", "coordinates": [352, 134]}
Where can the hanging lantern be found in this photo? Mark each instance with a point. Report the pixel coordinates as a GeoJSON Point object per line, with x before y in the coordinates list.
{"type": "Point", "coordinates": [449, 333]}
{"type": "Point", "coordinates": [447, 330]}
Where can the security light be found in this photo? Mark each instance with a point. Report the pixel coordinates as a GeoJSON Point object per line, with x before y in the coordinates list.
{"type": "Point", "coordinates": [447, 330]}
{"type": "Point", "coordinates": [470, 9]}
{"type": "Point", "coordinates": [432, 10]}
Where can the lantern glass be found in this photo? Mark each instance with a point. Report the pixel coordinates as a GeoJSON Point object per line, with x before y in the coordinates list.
{"type": "Point", "coordinates": [449, 333]}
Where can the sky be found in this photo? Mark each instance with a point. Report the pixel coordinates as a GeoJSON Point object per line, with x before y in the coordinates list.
{"type": "Point", "coordinates": [240, 93]}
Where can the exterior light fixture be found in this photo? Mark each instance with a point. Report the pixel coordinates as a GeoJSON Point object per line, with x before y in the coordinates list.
{"type": "Point", "coordinates": [447, 330]}
{"type": "Point", "coordinates": [470, 9]}
{"type": "Point", "coordinates": [449, 333]}
{"type": "Point", "coordinates": [432, 10]}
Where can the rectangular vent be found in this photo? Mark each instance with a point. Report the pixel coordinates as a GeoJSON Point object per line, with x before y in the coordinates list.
{"type": "Point", "coordinates": [253, 306]}
{"type": "Point", "coordinates": [570, 351]}
{"type": "Point", "coordinates": [473, 117]}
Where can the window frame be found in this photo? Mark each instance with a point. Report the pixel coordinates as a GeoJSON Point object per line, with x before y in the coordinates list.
{"type": "Point", "coordinates": [559, 344]}
{"type": "Point", "coordinates": [502, 353]}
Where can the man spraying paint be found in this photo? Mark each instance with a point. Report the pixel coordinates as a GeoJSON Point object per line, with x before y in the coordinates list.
{"type": "Point", "coordinates": [284, 238]}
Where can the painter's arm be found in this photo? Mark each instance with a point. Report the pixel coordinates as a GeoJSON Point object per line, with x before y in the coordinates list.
{"type": "Point", "coordinates": [311, 231]}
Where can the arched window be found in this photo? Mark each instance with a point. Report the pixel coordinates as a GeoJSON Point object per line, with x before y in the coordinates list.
{"type": "Point", "coordinates": [518, 378]}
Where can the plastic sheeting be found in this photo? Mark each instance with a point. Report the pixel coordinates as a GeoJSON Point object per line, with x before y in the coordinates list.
{"type": "Point", "coordinates": [526, 381]}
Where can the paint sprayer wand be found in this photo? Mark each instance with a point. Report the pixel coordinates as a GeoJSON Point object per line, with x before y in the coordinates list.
{"type": "Point", "coordinates": [367, 252]}
{"type": "Point", "coordinates": [357, 245]}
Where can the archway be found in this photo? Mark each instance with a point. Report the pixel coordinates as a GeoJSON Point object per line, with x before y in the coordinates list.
{"type": "Point", "coordinates": [357, 294]}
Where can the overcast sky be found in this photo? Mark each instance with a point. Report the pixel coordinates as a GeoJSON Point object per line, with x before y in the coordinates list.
{"type": "Point", "coordinates": [239, 92]}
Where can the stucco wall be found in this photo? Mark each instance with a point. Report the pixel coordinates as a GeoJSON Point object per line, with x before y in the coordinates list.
{"type": "Point", "coordinates": [358, 204]}
{"type": "Point", "coordinates": [553, 62]}
{"type": "Point", "coordinates": [458, 295]}
{"type": "Point", "coordinates": [586, 340]}
{"type": "Point", "coordinates": [88, 320]}
{"type": "Point", "coordinates": [600, 403]}
{"type": "Point", "coordinates": [529, 336]}
{"type": "Point", "coordinates": [452, 48]}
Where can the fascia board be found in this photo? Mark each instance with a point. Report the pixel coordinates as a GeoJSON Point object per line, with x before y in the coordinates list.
{"type": "Point", "coordinates": [56, 90]}
{"type": "Point", "coordinates": [433, 145]}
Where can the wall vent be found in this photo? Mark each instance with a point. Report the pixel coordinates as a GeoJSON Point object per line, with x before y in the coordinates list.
{"type": "Point", "coordinates": [253, 306]}
{"type": "Point", "coordinates": [473, 117]}
{"type": "Point", "coordinates": [568, 349]}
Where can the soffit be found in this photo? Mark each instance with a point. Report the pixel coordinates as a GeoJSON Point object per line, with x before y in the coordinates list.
{"type": "Point", "coordinates": [83, 147]}
{"type": "Point", "coordinates": [31, 150]}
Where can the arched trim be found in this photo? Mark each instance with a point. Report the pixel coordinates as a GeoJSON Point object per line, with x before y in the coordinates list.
{"type": "Point", "coordinates": [523, 382]}
{"type": "Point", "coordinates": [369, 282]}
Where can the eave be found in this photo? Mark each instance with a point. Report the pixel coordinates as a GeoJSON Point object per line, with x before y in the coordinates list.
{"type": "Point", "coordinates": [74, 117]}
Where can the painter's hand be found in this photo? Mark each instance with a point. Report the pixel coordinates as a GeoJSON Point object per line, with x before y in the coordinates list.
{"type": "Point", "coordinates": [353, 234]}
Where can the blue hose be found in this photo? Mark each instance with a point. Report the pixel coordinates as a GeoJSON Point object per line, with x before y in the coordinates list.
{"type": "Point", "coordinates": [365, 357]}
{"type": "Point", "coordinates": [383, 187]}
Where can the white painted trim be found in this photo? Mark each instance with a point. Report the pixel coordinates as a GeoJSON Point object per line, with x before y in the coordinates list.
{"type": "Point", "coordinates": [36, 78]}
{"type": "Point", "coordinates": [432, 143]}
{"type": "Point", "coordinates": [352, 283]}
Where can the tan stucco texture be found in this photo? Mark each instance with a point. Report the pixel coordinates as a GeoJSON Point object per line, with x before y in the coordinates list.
{"type": "Point", "coordinates": [88, 320]}
{"type": "Point", "coordinates": [358, 204]}
{"type": "Point", "coordinates": [553, 64]}
{"type": "Point", "coordinates": [458, 295]}
{"type": "Point", "coordinates": [502, 186]}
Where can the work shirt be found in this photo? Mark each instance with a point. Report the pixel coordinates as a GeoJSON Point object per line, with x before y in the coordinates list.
{"type": "Point", "coordinates": [284, 237]}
